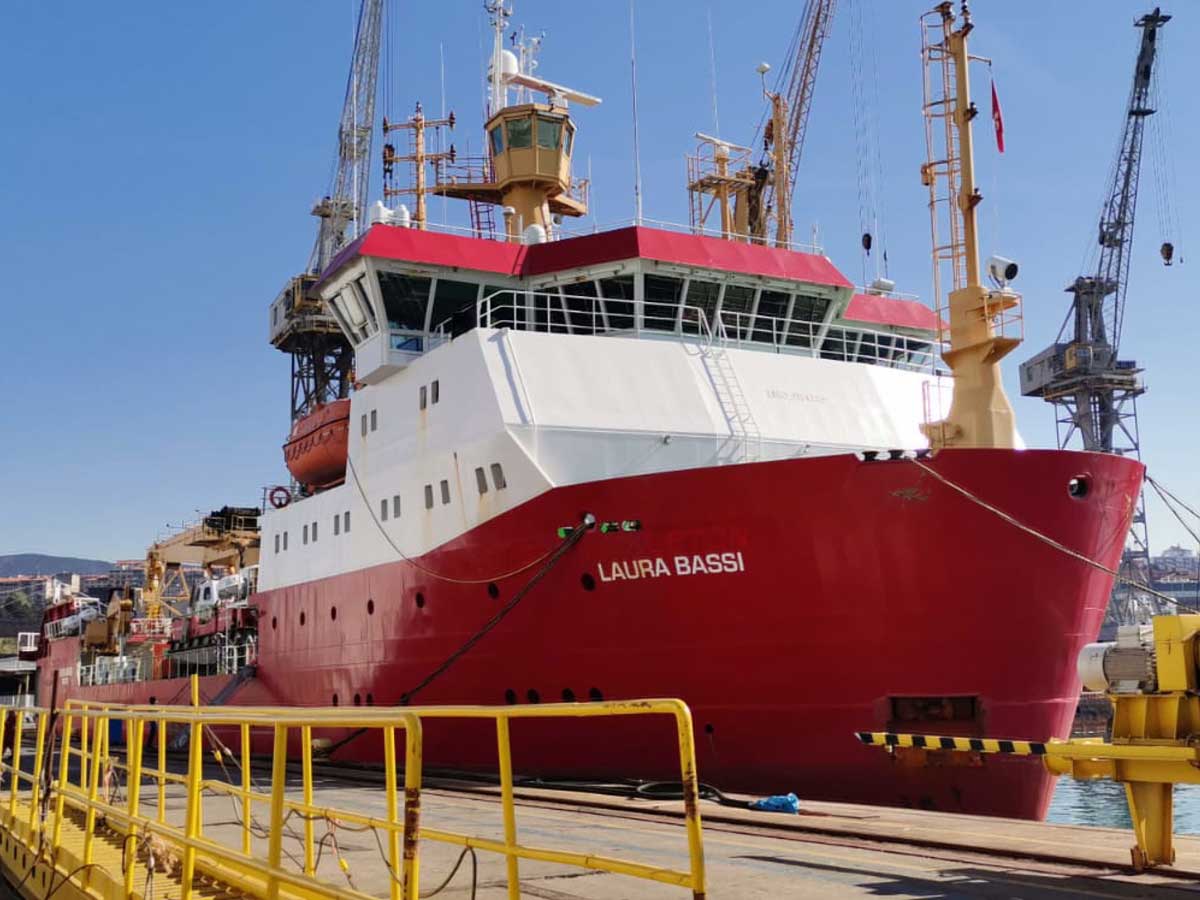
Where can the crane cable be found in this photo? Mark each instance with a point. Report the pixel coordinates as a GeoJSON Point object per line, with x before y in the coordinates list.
{"type": "Point", "coordinates": [1046, 539]}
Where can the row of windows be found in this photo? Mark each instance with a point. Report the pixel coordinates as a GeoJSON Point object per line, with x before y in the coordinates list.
{"type": "Point", "coordinates": [341, 525]}
{"type": "Point", "coordinates": [390, 507]}
{"type": "Point", "coordinates": [518, 134]}
{"type": "Point", "coordinates": [373, 418]}
{"type": "Point", "coordinates": [429, 395]}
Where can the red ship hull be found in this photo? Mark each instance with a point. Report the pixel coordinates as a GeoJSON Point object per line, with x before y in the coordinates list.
{"type": "Point", "coordinates": [868, 595]}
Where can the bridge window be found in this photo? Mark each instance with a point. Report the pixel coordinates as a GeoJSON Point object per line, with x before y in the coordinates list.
{"type": "Point", "coordinates": [497, 138]}
{"type": "Point", "coordinates": [569, 139]}
{"type": "Point", "coordinates": [735, 310]}
{"type": "Point", "coordinates": [662, 301]}
{"type": "Point", "coordinates": [770, 320]}
{"type": "Point", "coordinates": [519, 133]}
{"type": "Point", "coordinates": [702, 295]}
{"type": "Point", "coordinates": [450, 297]}
{"type": "Point", "coordinates": [808, 313]}
{"type": "Point", "coordinates": [583, 312]}
{"type": "Point", "coordinates": [618, 301]}
{"type": "Point", "coordinates": [404, 300]}
{"type": "Point", "coordinates": [548, 131]}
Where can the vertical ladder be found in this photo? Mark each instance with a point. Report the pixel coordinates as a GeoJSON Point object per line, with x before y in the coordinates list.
{"type": "Point", "coordinates": [744, 443]}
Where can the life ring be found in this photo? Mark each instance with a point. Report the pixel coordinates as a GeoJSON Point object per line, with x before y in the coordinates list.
{"type": "Point", "coordinates": [280, 496]}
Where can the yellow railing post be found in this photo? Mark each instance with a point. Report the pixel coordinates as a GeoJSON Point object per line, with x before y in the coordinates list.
{"type": "Point", "coordinates": [504, 747]}
{"type": "Point", "coordinates": [389, 790]}
{"type": "Point", "coordinates": [133, 787]}
{"type": "Point", "coordinates": [35, 792]}
{"type": "Point", "coordinates": [413, 738]}
{"type": "Point", "coordinates": [160, 734]}
{"type": "Point", "coordinates": [93, 791]}
{"type": "Point", "coordinates": [3, 728]}
{"type": "Point", "coordinates": [691, 797]}
{"type": "Point", "coordinates": [18, 727]}
{"type": "Point", "coordinates": [306, 781]}
{"type": "Point", "coordinates": [194, 798]}
{"type": "Point", "coordinates": [84, 764]}
{"type": "Point", "coordinates": [246, 812]}
{"type": "Point", "coordinates": [278, 786]}
{"type": "Point", "coordinates": [64, 774]}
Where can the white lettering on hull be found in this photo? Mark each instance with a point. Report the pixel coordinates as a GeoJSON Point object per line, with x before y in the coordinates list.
{"type": "Point", "coordinates": [658, 567]}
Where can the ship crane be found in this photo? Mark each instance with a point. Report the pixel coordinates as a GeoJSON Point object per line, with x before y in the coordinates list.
{"type": "Point", "coordinates": [1094, 392]}
{"type": "Point", "coordinates": [321, 355]}
{"type": "Point", "coordinates": [752, 196]}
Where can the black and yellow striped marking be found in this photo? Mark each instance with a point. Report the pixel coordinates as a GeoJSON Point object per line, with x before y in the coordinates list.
{"type": "Point", "coordinates": [960, 744]}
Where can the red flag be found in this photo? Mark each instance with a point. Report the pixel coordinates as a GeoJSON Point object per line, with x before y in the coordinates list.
{"type": "Point", "coordinates": [997, 118]}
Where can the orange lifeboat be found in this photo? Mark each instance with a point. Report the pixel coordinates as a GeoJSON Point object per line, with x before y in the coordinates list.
{"type": "Point", "coordinates": [316, 449]}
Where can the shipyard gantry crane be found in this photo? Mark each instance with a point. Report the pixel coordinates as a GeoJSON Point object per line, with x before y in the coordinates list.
{"type": "Point", "coordinates": [752, 196]}
{"type": "Point", "coordinates": [1093, 391]}
{"type": "Point", "coordinates": [321, 356]}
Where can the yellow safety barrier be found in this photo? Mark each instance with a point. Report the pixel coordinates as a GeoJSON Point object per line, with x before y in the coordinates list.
{"type": "Point", "coordinates": [65, 836]}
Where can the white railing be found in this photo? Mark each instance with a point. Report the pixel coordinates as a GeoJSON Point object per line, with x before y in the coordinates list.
{"type": "Point", "coordinates": [159, 627]}
{"type": "Point", "coordinates": [111, 670]}
{"type": "Point", "coordinates": [27, 641]}
{"type": "Point", "coordinates": [552, 312]}
{"type": "Point", "coordinates": [224, 657]}
{"type": "Point", "coordinates": [13, 701]}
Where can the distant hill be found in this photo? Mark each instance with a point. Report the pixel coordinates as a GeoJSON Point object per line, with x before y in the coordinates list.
{"type": "Point", "coordinates": [41, 564]}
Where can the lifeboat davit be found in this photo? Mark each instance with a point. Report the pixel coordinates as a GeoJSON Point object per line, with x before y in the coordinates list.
{"type": "Point", "coordinates": [316, 449]}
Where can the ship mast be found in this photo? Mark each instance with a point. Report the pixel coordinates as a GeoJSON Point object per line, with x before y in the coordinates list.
{"type": "Point", "coordinates": [984, 325]}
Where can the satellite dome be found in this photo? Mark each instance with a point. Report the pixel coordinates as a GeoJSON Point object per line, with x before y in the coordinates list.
{"type": "Point", "coordinates": [508, 64]}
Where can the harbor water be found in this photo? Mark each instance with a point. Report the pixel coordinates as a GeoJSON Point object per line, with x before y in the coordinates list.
{"type": "Point", "coordinates": [1103, 803]}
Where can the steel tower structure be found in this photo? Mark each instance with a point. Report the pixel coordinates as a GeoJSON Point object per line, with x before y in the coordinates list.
{"type": "Point", "coordinates": [322, 358]}
{"type": "Point", "coordinates": [1094, 392]}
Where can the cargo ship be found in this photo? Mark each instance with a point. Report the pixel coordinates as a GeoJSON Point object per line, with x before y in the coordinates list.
{"type": "Point", "coordinates": [643, 462]}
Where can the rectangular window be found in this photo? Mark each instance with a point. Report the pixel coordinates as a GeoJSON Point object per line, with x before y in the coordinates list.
{"type": "Point", "coordinates": [434, 392]}
{"type": "Point", "coordinates": [346, 521]}
{"type": "Point", "coordinates": [548, 131]}
{"type": "Point", "coordinates": [429, 496]}
{"type": "Point", "coordinates": [285, 540]}
{"type": "Point", "coordinates": [451, 297]}
{"type": "Point", "coordinates": [616, 292]}
{"type": "Point", "coordinates": [568, 140]}
{"type": "Point", "coordinates": [383, 510]}
{"type": "Point", "coordinates": [424, 402]}
{"type": "Point", "coordinates": [520, 134]}
{"type": "Point", "coordinates": [404, 300]}
{"type": "Point", "coordinates": [497, 137]}
{"type": "Point", "coordinates": [305, 534]}
{"type": "Point", "coordinates": [314, 532]}
{"type": "Point", "coordinates": [481, 480]}
{"type": "Point", "coordinates": [662, 301]}
{"type": "Point", "coordinates": [445, 491]}
{"type": "Point", "coordinates": [498, 477]}
{"type": "Point", "coordinates": [276, 543]}
{"type": "Point", "coordinates": [374, 420]}
{"type": "Point", "coordinates": [364, 425]}
{"type": "Point", "coordinates": [337, 524]}
{"type": "Point", "coordinates": [770, 320]}
{"type": "Point", "coordinates": [703, 296]}
{"type": "Point", "coordinates": [395, 506]}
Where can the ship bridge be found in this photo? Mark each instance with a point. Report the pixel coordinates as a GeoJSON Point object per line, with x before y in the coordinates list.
{"type": "Point", "coordinates": [399, 292]}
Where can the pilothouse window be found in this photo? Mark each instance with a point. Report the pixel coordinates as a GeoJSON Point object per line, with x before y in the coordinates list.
{"type": "Point", "coordinates": [404, 300]}
{"type": "Point", "coordinates": [662, 302]}
{"type": "Point", "coordinates": [497, 136]}
{"type": "Point", "coordinates": [548, 131]}
{"type": "Point", "coordinates": [520, 134]}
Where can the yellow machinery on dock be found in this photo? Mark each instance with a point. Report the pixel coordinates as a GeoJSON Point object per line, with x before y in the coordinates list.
{"type": "Point", "coordinates": [1152, 676]}
{"type": "Point", "coordinates": [67, 832]}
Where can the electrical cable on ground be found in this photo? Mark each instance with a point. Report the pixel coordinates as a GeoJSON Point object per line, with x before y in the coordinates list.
{"type": "Point", "coordinates": [1046, 539]}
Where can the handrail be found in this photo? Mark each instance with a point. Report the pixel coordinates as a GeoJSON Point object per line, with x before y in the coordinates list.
{"type": "Point", "coordinates": [88, 762]}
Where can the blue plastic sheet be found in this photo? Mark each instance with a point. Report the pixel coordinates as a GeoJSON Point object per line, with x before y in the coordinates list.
{"type": "Point", "coordinates": [784, 803]}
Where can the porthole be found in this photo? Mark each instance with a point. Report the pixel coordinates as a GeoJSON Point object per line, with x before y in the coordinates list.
{"type": "Point", "coordinates": [370, 607]}
{"type": "Point", "coordinates": [333, 613]}
{"type": "Point", "coordinates": [358, 700]}
{"type": "Point", "coordinates": [708, 729]}
{"type": "Point", "coordinates": [274, 623]}
{"type": "Point", "coordinates": [301, 617]}
{"type": "Point", "coordinates": [594, 695]}
{"type": "Point", "coordinates": [510, 696]}
{"type": "Point", "coordinates": [335, 700]}
{"type": "Point", "coordinates": [420, 600]}
{"type": "Point", "coordinates": [588, 581]}
{"type": "Point", "coordinates": [568, 695]}
{"type": "Point", "coordinates": [1079, 486]}
{"type": "Point", "coordinates": [533, 696]}
{"type": "Point", "coordinates": [493, 590]}
{"type": "Point", "coordinates": [370, 699]}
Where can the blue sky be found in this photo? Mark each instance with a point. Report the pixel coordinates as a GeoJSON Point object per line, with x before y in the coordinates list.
{"type": "Point", "coordinates": [158, 162]}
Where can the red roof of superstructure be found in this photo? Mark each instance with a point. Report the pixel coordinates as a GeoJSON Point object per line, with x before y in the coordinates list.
{"type": "Point", "coordinates": [874, 309]}
{"type": "Point", "coordinates": [634, 242]}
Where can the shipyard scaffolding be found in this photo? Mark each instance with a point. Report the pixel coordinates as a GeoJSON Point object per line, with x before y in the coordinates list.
{"type": "Point", "coordinates": [1093, 391]}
